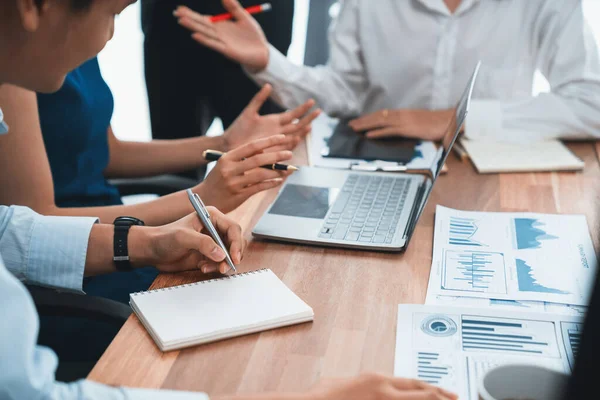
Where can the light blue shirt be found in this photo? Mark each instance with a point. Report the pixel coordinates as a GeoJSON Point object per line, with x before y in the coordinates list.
{"type": "Point", "coordinates": [3, 126]}
{"type": "Point", "coordinates": [51, 252]}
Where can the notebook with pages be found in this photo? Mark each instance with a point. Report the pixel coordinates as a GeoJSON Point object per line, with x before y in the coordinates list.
{"type": "Point", "coordinates": [207, 311]}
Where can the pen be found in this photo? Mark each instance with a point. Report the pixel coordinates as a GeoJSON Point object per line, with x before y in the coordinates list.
{"type": "Point", "coordinates": [205, 219]}
{"type": "Point", "coordinates": [214, 155]}
{"type": "Point", "coordinates": [252, 10]}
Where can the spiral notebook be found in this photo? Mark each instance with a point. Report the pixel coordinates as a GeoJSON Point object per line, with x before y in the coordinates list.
{"type": "Point", "coordinates": [207, 311]}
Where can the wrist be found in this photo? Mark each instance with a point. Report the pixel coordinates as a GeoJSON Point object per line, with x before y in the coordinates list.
{"type": "Point", "coordinates": [220, 143]}
{"type": "Point", "coordinates": [141, 246]}
{"type": "Point", "coordinates": [261, 62]}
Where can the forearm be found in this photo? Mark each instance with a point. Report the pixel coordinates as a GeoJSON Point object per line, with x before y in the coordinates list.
{"type": "Point", "coordinates": [140, 159]}
{"type": "Point", "coordinates": [163, 210]}
{"type": "Point", "coordinates": [295, 84]}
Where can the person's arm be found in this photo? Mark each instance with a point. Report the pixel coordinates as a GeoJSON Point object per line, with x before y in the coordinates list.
{"type": "Point", "coordinates": [27, 179]}
{"type": "Point", "coordinates": [137, 159]}
{"type": "Point", "coordinates": [568, 55]}
{"type": "Point", "coordinates": [337, 87]}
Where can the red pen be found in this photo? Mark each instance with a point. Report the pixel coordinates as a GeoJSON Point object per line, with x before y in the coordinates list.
{"type": "Point", "coordinates": [252, 10]}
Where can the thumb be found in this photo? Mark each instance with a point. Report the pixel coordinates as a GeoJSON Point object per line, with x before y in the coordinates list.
{"type": "Point", "coordinates": [236, 9]}
{"type": "Point", "coordinates": [259, 99]}
{"type": "Point", "coordinates": [204, 244]}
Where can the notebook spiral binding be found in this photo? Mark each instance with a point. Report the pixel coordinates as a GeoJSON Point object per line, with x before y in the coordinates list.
{"type": "Point", "coordinates": [258, 271]}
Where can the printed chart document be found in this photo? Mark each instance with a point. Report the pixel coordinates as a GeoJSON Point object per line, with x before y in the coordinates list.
{"type": "Point", "coordinates": [453, 347]}
{"type": "Point", "coordinates": [512, 256]}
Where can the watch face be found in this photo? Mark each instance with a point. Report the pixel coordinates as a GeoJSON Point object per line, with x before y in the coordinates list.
{"type": "Point", "coordinates": [128, 221]}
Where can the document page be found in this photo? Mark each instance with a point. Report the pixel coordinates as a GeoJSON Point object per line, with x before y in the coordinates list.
{"type": "Point", "coordinates": [512, 256]}
{"type": "Point", "coordinates": [453, 347]}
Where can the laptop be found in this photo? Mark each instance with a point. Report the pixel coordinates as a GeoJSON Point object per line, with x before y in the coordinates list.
{"type": "Point", "coordinates": [352, 209]}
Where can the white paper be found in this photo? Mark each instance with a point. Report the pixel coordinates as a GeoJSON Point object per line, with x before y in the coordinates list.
{"type": "Point", "coordinates": [322, 130]}
{"type": "Point", "coordinates": [492, 157]}
{"type": "Point", "coordinates": [512, 256]}
{"type": "Point", "coordinates": [453, 347]}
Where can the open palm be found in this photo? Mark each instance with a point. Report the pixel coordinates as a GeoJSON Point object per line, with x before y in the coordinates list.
{"type": "Point", "coordinates": [240, 39]}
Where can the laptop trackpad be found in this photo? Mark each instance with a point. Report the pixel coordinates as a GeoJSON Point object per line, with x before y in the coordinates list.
{"type": "Point", "coordinates": [304, 201]}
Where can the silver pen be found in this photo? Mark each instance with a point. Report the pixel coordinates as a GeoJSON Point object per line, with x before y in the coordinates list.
{"type": "Point", "coordinates": [205, 219]}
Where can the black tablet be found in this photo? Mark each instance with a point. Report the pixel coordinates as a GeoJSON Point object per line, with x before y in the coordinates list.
{"type": "Point", "coordinates": [346, 143]}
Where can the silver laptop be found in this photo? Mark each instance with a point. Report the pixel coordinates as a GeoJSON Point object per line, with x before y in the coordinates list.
{"type": "Point", "coordinates": [365, 210]}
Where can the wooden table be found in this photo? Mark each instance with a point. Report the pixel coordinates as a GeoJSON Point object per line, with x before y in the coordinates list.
{"type": "Point", "coordinates": [354, 293]}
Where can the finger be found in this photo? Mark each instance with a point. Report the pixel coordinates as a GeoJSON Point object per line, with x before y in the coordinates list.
{"type": "Point", "coordinates": [259, 99]}
{"type": "Point", "coordinates": [197, 23]}
{"type": "Point", "coordinates": [258, 175]}
{"type": "Point", "coordinates": [231, 231]}
{"type": "Point", "coordinates": [385, 132]}
{"type": "Point", "coordinates": [198, 29]}
{"type": "Point", "coordinates": [367, 122]}
{"type": "Point", "coordinates": [415, 384]}
{"type": "Point", "coordinates": [289, 116]}
{"type": "Point", "coordinates": [183, 11]}
{"type": "Point", "coordinates": [202, 243]}
{"type": "Point", "coordinates": [262, 159]}
{"type": "Point", "coordinates": [299, 127]}
{"type": "Point", "coordinates": [290, 144]}
{"type": "Point", "coordinates": [254, 147]}
{"type": "Point", "coordinates": [207, 267]}
{"type": "Point", "coordinates": [236, 9]}
{"type": "Point", "coordinates": [262, 186]}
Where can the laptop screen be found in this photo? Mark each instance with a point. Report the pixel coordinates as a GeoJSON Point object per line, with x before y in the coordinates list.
{"type": "Point", "coordinates": [452, 132]}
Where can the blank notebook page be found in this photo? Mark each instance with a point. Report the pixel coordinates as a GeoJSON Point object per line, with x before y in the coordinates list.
{"type": "Point", "coordinates": [206, 311]}
{"type": "Point", "coordinates": [551, 155]}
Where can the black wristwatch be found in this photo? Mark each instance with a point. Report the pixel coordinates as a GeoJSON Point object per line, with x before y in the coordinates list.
{"type": "Point", "coordinates": [121, 250]}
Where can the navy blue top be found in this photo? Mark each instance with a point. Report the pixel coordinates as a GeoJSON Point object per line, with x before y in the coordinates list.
{"type": "Point", "coordinates": [74, 123]}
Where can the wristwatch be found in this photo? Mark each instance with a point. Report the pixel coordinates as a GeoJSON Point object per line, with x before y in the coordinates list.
{"type": "Point", "coordinates": [121, 250]}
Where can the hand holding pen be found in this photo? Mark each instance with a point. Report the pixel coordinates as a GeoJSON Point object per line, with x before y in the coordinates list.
{"type": "Point", "coordinates": [238, 174]}
{"type": "Point", "coordinates": [204, 216]}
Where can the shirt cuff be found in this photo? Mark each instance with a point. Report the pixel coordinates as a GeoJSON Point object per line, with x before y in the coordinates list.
{"type": "Point", "coordinates": [276, 68]}
{"type": "Point", "coordinates": [484, 120]}
{"type": "Point", "coordinates": [58, 251]}
{"type": "Point", "coordinates": [153, 394]}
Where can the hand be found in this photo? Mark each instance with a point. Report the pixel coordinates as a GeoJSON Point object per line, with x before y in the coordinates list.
{"type": "Point", "coordinates": [185, 244]}
{"type": "Point", "coordinates": [238, 175]}
{"type": "Point", "coordinates": [417, 124]}
{"type": "Point", "coordinates": [240, 39]}
{"type": "Point", "coordinates": [378, 387]}
{"type": "Point", "coordinates": [295, 124]}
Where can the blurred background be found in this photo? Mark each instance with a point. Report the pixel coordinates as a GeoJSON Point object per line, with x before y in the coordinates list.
{"type": "Point", "coordinates": [122, 60]}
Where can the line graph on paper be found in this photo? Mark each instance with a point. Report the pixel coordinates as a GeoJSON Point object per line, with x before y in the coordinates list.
{"type": "Point", "coordinates": [474, 271]}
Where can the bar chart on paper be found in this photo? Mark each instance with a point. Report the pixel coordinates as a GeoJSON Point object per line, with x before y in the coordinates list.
{"type": "Point", "coordinates": [462, 232]}
{"type": "Point", "coordinates": [474, 271]}
{"type": "Point", "coordinates": [505, 335]}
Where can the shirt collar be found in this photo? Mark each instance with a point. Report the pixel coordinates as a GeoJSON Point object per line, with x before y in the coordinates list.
{"type": "Point", "coordinates": [439, 6]}
{"type": "Point", "coordinates": [3, 126]}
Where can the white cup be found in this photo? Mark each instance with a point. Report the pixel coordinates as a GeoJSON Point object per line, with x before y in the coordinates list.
{"type": "Point", "coordinates": [522, 382]}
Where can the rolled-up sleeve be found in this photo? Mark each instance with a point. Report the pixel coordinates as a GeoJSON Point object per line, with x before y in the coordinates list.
{"type": "Point", "coordinates": [43, 250]}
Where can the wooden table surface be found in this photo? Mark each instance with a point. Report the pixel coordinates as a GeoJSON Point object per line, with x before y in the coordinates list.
{"type": "Point", "coordinates": [354, 294]}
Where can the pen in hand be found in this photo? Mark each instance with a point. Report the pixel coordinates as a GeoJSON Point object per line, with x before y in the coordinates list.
{"type": "Point", "coordinates": [212, 231]}
{"type": "Point", "coordinates": [214, 155]}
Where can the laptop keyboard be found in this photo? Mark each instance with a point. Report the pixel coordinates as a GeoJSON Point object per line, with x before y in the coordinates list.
{"type": "Point", "coordinates": [367, 209]}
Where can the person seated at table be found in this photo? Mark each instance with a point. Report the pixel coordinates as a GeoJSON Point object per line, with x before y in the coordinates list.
{"type": "Point", "coordinates": [58, 251]}
{"type": "Point", "coordinates": [401, 66]}
{"type": "Point", "coordinates": [66, 173]}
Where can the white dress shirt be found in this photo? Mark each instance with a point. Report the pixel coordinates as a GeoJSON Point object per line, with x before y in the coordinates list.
{"type": "Point", "coordinates": [416, 54]}
{"type": "Point", "coordinates": [46, 251]}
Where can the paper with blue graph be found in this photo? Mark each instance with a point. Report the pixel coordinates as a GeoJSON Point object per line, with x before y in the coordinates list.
{"type": "Point", "coordinates": [453, 347]}
{"type": "Point", "coordinates": [512, 257]}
